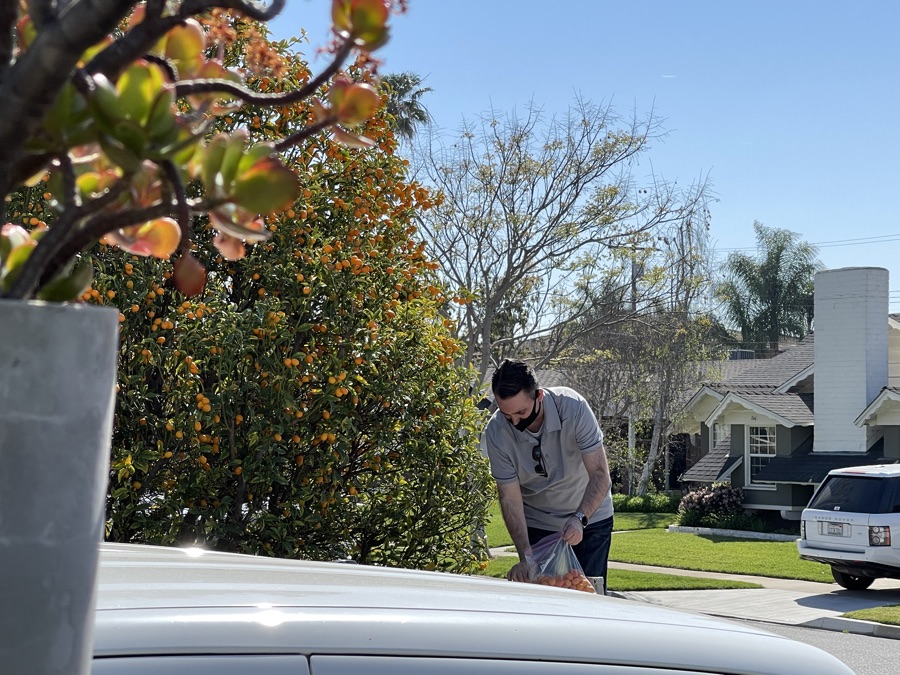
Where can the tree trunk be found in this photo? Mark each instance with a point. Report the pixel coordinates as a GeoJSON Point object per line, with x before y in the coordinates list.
{"type": "Point", "coordinates": [653, 455]}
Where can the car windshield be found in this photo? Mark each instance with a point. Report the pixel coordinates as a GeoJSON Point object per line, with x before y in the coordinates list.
{"type": "Point", "coordinates": [857, 494]}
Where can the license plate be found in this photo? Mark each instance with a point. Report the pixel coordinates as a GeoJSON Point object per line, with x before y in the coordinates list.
{"type": "Point", "coordinates": [836, 529]}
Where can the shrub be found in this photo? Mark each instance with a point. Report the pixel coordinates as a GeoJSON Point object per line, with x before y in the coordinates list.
{"type": "Point", "coordinates": [652, 503]}
{"type": "Point", "coordinates": [711, 506]}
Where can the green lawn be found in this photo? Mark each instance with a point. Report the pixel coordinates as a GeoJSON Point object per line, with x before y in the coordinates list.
{"type": "Point", "coordinates": [888, 614]}
{"type": "Point", "coordinates": [498, 536]}
{"type": "Point", "coordinates": [626, 580]}
{"type": "Point", "coordinates": [716, 554]}
{"type": "Point", "coordinates": [495, 529]}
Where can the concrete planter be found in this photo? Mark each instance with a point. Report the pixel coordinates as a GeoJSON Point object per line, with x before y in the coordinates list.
{"type": "Point", "coordinates": [57, 394]}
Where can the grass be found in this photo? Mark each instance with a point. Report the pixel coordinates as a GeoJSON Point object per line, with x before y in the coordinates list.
{"type": "Point", "coordinates": [495, 529]}
{"type": "Point", "coordinates": [889, 614]}
{"type": "Point", "coordinates": [716, 554]}
{"type": "Point", "coordinates": [641, 521]}
{"type": "Point", "coordinates": [627, 580]}
{"type": "Point", "coordinates": [498, 536]}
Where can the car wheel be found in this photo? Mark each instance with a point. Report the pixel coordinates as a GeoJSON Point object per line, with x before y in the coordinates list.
{"type": "Point", "coordinates": [851, 582]}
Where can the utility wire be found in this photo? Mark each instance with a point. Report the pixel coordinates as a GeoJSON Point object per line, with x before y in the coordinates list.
{"type": "Point", "coordinates": [885, 238]}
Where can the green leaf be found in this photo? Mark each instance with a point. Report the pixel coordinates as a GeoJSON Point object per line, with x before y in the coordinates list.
{"type": "Point", "coordinates": [213, 154]}
{"type": "Point", "coordinates": [88, 183]}
{"type": "Point", "coordinates": [232, 158]}
{"type": "Point", "coordinates": [132, 136]}
{"type": "Point", "coordinates": [119, 154]}
{"type": "Point", "coordinates": [13, 263]}
{"type": "Point", "coordinates": [162, 122]}
{"type": "Point", "coordinates": [138, 87]}
{"type": "Point", "coordinates": [185, 42]}
{"type": "Point", "coordinates": [18, 256]}
{"type": "Point", "coordinates": [268, 186]}
{"type": "Point", "coordinates": [253, 155]}
{"type": "Point", "coordinates": [68, 286]}
{"type": "Point", "coordinates": [105, 103]}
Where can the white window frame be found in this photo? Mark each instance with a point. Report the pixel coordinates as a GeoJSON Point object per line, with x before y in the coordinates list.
{"type": "Point", "coordinates": [755, 441]}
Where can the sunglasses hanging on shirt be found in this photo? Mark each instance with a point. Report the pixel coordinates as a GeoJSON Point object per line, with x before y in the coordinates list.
{"type": "Point", "coordinates": [538, 457]}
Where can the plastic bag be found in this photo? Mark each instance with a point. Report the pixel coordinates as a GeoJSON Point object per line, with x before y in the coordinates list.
{"type": "Point", "coordinates": [552, 562]}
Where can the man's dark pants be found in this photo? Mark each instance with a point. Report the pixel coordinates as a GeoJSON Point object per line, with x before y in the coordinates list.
{"type": "Point", "coordinates": [592, 552]}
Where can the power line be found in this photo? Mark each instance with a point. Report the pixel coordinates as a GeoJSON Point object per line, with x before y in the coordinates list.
{"type": "Point", "coordinates": [885, 238]}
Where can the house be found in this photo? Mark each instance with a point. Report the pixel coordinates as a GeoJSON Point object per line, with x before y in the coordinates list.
{"type": "Point", "coordinates": [776, 428]}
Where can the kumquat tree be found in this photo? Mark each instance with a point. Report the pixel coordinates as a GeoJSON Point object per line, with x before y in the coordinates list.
{"type": "Point", "coordinates": [287, 383]}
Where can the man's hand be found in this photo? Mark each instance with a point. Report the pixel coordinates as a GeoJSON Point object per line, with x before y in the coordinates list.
{"type": "Point", "coordinates": [521, 571]}
{"type": "Point", "coordinates": [573, 531]}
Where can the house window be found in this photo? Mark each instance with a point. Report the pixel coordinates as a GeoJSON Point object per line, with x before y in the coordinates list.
{"type": "Point", "coordinates": [720, 433]}
{"type": "Point", "coordinates": [760, 450]}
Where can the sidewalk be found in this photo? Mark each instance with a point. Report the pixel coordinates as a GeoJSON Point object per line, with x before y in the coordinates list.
{"type": "Point", "coordinates": [786, 601]}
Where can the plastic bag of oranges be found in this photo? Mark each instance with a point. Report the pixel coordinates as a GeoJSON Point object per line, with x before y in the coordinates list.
{"type": "Point", "coordinates": [553, 563]}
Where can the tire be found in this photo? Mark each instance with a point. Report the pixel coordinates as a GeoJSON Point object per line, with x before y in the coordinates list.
{"type": "Point", "coordinates": [851, 582]}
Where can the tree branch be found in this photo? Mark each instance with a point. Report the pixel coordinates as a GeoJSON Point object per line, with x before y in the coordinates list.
{"type": "Point", "coordinates": [53, 249]}
{"type": "Point", "coordinates": [189, 87]}
{"type": "Point", "coordinates": [29, 87]}
{"type": "Point", "coordinates": [304, 133]}
{"type": "Point", "coordinates": [182, 208]}
{"type": "Point", "coordinates": [7, 34]}
{"type": "Point", "coordinates": [140, 39]}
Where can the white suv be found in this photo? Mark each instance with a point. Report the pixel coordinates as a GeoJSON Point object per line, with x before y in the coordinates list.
{"type": "Point", "coordinates": [849, 524]}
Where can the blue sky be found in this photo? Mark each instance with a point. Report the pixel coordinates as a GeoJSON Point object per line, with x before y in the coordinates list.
{"type": "Point", "coordinates": [790, 107]}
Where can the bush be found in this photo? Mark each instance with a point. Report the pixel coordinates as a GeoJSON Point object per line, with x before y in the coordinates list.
{"type": "Point", "coordinates": [653, 503]}
{"type": "Point", "coordinates": [711, 507]}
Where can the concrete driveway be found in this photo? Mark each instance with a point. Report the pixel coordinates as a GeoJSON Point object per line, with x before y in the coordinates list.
{"type": "Point", "coordinates": [798, 603]}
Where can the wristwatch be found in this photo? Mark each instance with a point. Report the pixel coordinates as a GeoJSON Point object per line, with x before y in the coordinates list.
{"type": "Point", "coordinates": [583, 518]}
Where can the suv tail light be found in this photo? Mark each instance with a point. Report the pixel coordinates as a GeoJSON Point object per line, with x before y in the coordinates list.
{"type": "Point", "coordinates": [879, 536]}
{"type": "Point", "coordinates": [803, 529]}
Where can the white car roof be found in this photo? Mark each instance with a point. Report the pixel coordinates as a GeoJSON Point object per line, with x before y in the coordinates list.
{"type": "Point", "coordinates": [169, 601]}
{"type": "Point", "coordinates": [875, 470]}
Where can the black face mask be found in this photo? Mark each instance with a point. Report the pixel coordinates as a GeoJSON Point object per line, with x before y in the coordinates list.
{"type": "Point", "coordinates": [525, 422]}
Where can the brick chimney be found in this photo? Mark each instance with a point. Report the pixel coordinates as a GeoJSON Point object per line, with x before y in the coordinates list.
{"type": "Point", "coordinates": [851, 342]}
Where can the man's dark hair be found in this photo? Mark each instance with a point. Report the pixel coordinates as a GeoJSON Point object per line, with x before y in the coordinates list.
{"type": "Point", "coordinates": [511, 378]}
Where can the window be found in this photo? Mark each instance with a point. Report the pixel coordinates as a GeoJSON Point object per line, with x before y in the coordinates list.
{"type": "Point", "coordinates": [760, 449]}
{"type": "Point", "coordinates": [719, 433]}
{"type": "Point", "coordinates": [858, 494]}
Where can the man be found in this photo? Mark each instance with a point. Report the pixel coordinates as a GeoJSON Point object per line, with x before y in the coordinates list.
{"type": "Point", "coordinates": [547, 457]}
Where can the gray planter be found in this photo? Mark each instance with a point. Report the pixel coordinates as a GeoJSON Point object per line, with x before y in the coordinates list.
{"type": "Point", "coordinates": [57, 393]}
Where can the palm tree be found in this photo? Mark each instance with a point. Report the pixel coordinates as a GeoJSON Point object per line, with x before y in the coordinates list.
{"type": "Point", "coordinates": [771, 295]}
{"type": "Point", "coordinates": [404, 91]}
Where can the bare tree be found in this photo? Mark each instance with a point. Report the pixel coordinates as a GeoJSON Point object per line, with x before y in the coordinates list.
{"type": "Point", "coordinates": [538, 221]}
{"type": "Point", "coordinates": [637, 370]}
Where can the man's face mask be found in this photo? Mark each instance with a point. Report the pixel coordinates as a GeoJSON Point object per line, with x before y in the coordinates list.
{"type": "Point", "coordinates": [524, 423]}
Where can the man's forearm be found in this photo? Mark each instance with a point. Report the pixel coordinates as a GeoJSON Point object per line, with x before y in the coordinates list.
{"type": "Point", "coordinates": [599, 481]}
{"type": "Point", "coordinates": [594, 494]}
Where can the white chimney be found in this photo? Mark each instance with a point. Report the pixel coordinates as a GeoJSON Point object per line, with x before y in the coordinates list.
{"type": "Point", "coordinates": [851, 340]}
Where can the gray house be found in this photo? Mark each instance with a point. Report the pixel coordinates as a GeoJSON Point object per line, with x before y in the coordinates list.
{"type": "Point", "coordinates": [776, 428]}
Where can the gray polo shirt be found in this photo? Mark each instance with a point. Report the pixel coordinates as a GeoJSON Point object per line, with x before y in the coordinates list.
{"type": "Point", "coordinates": [569, 430]}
